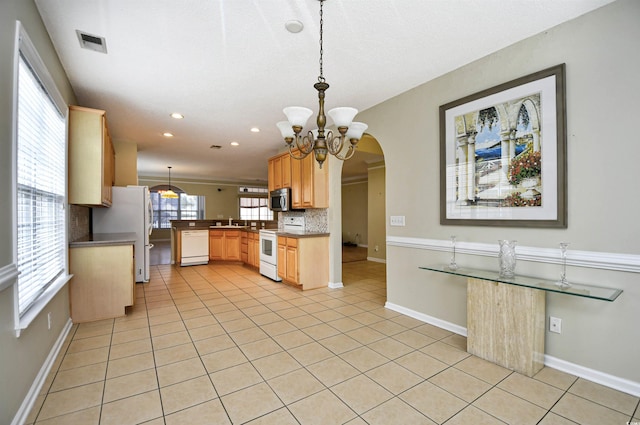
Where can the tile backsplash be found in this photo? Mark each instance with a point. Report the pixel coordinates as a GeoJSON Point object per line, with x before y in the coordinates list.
{"type": "Point", "coordinates": [316, 219]}
{"type": "Point", "coordinates": [79, 222]}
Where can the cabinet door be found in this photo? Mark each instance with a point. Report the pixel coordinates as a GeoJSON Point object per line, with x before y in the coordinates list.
{"type": "Point", "coordinates": [296, 183]}
{"type": "Point", "coordinates": [244, 247]}
{"type": "Point", "coordinates": [277, 172]}
{"type": "Point", "coordinates": [306, 172]}
{"type": "Point", "coordinates": [292, 264]}
{"type": "Point", "coordinates": [271, 175]}
{"type": "Point", "coordinates": [216, 245]}
{"type": "Point", "coordinates": [109, 166]}
{"type": "Point", "coordinates": [256, 250]}
{"type": "Point", "coordinates": [232, 245]}
{"type": "Point", "coordinates": [282, 257]}
{"type": "Point", "coordinates": [286, 170]}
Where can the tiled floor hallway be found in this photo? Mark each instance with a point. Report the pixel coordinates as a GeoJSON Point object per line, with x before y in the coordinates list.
{"type": "Point", "coordinates": [223, 345]}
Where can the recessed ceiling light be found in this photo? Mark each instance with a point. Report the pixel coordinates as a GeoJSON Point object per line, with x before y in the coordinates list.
{"type": "Point", "coordinates": [294, 26]}
{"type": "Point", "coordinates": [234, 144]}
{"type": "Point", "coordinates": [167, 134]}
{"type": "Point", "coordinates": [255, 130]}
{"type": "Point", "coordinates": [177, 116]}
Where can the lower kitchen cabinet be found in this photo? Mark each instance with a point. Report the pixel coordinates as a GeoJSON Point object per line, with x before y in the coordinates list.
{"type": "Point", "coordinates": [103, 282]}
{"type": "Point", "coordinates": [304, 261]}
{"type": "Point", "coordinates": [224, 245]}
{"type": "Point", "coordinates": [244, 247]}
{"type": "Point", "coordinates": [253, 249]}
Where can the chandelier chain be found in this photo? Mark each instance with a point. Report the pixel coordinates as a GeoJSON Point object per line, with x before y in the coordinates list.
{"type": "Point", "coordinates": [321, 77]}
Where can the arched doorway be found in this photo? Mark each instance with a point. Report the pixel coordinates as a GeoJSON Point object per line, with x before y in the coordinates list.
{"type": "Point", "coordinates": [363, 214]}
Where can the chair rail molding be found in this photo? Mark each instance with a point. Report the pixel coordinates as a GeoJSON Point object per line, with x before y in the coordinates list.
{"type": "Point", "coordinates": [8, 276]}
{"type": "Point", "coordinates": [589, 259]}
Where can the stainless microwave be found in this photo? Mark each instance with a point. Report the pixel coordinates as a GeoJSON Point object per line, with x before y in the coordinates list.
{"type": "Point", "coordinates": [280, 200]}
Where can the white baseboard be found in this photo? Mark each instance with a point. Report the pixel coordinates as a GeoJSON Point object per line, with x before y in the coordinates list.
{"type": "Point", "coordinates": [608, 380]}
{"type": "Point", "coordinates": [30, 399]}
{"type": "Point", "coordinates": [457, 329]}
{"type": "Point", "coordinates": [335, 285]}
{"type": "Point", "coordinates": [611, 381]}
{"type": "Point", "coordinates": [377, 260]}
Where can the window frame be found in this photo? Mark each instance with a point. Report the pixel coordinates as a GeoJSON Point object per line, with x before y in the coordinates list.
{"type": "Point", "coordinates": [245, 192]}
{"type": "Point", "coordinates": [200, 211]}
{"type": "Point", "coordinates": [24, 46]}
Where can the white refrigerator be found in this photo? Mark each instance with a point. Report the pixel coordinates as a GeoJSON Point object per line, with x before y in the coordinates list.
{"type": "Point", "coordinates": [130, 211]}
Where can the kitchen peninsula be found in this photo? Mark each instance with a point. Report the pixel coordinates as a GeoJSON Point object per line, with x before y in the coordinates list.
{"type": "Point", "coordinates": [300, 257]}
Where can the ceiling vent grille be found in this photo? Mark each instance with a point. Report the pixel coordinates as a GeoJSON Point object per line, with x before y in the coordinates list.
{"type": "Point", "coordinates": [215, 147]}
{"type": "Point", "coordinates": [92, 42]}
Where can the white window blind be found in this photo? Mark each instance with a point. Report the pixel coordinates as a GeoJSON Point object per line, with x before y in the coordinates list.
{"type": "Point", "coordinates": [41, 188]}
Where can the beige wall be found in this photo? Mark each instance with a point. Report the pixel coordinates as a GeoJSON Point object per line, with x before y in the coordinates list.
{"type": "Point", "coordinates": [376, 228]}
{"type": "Point", "coordinates": [126, 163]}
{"type": "Point", "coordinates": [602, 59]}
{"type": "Point", "coordinates": [21, 358]}
{"type": "Point", "coordinates": [355, 217]}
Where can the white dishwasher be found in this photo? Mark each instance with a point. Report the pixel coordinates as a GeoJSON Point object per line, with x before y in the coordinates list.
{"type": "Point", "coordinates": [194, 248]}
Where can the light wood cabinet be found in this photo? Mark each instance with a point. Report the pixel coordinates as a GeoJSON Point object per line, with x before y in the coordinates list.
{"type": "Point", "coordinates": [224, 245]}
{"type": "Point", "coordinates": [103, 282]}
{"type": "Point", "coordinates": [304, 261]}
{"type": "Point", "coordinates": [91, 158]}
{"type": "Point", "coordinates": [244, 247]}
{"type": "Point", "coordinates": [253, 249]}
{"type": "Point", "coordinates": [309, 183]}
{"type": "Point", "coordinates": [279, 171]}
{"type": "Point", "coordinates": [256, 249]}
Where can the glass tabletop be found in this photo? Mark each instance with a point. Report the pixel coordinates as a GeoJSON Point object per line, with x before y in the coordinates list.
{"type": "Point", "coordinates": [587, 291]}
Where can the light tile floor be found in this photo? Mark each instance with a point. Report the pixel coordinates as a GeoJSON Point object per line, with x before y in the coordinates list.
{"type": "Point", "coordinates": [221, 344]}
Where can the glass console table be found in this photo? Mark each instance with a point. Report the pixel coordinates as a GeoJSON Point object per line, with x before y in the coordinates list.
{"type": "Point", "coordinates": [587, 291]}
{"type": "Point", "coordinates": [506, 317]}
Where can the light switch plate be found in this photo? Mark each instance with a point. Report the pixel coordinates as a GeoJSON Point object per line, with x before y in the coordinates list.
{"type": "Point", "coordinates": [397, 220]}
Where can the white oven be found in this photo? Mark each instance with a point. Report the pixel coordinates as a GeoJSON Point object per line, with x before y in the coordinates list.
{"type": "Point", "coordinates": [269, 254]}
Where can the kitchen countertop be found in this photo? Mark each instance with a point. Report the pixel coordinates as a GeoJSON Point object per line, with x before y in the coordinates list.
{"type": "Point", "coordinates": [301, 235]}
{"type": "Point", "coordinates": [100, 239]}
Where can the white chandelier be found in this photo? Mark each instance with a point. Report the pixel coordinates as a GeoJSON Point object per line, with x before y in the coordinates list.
{"type": "Point", "coordinates": [319, 141]}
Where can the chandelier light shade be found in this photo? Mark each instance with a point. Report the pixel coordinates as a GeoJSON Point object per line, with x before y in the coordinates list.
{"type": "Point", "coordinates": [320, 141]}
{"type": "Point", "coordinates": [169, 194]}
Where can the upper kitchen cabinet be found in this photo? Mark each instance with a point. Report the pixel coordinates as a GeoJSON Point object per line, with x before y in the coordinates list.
{"type": "Point", "coordinates": [279, 171]}
{"type": "Point", "coordinates": [91, 158]}
{"type": "Point", "coordinates": [309, 183]}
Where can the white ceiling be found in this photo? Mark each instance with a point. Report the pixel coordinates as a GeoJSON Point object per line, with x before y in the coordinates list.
{"type": "Point", "coordinates": [229, 65]}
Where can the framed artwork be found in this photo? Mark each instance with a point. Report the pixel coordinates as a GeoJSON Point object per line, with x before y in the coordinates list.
{"type": "Point", "coordinates": [503, 154]}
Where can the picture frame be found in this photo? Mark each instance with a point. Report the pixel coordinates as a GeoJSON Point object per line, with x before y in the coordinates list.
{"type": "Point", "coordinates": [515, 135]}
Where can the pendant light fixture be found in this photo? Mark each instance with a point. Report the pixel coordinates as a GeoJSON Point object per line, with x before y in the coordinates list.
{"type": "Point", "coordinates": [319, 141]}
{"type": "Point", "coordinates": [169, 194]}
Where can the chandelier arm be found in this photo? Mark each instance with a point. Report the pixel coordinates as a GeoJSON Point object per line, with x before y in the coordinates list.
{"type": "Point", "coordinates": [335, 143]}
{"type": "Point", "coordinates": [305, 144]}
{"type": "Point", "coordinates": [348, 155]}
{"type": "Point", "coordinates": [298, 157]}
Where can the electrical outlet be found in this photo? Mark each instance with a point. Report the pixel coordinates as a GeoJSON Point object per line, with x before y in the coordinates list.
{"type": "Point", "coordinates": [376, 248]}
{"type": "Point", "coordinates": [397, 220]}
{"type": "Point", "coordinates": [555, 325]}
{"type": "Point", "coordinates": [192, 224]}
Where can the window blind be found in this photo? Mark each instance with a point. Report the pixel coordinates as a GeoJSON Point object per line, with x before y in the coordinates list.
{"type": "Point", "coordinates": [41, 188]}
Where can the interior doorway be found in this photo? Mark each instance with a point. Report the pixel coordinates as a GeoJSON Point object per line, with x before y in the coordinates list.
{"type": "Point", "coordinates": [363, 207]}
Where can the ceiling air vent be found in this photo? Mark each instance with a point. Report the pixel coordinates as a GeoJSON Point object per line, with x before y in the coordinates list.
{"type": "Point", "coordinates": [215, 147]}
{"type": "Point", "coordinates": [92, 42]}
